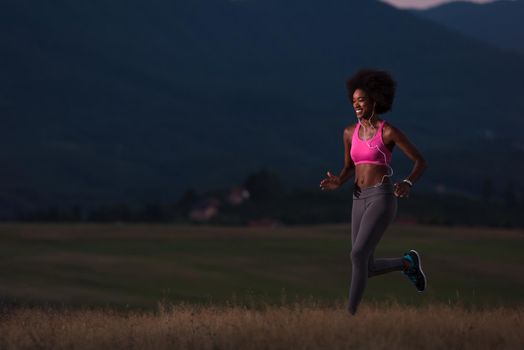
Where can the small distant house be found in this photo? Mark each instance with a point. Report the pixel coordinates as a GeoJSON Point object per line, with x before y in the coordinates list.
{"type": "Point", "coordinates": [204, 209]}
{"type": "Point", "coordinates": [237, 196]}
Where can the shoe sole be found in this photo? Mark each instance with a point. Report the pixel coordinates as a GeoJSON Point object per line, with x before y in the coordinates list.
{"type": "Point", "coordinates": [421, 271]}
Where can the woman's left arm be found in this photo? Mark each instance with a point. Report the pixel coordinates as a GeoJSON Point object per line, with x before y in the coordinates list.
{"type": "Point", "coordinates": [401, 140]}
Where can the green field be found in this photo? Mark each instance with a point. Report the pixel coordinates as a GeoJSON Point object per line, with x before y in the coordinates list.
{"type": "Point", "coordinates": [138, 266]}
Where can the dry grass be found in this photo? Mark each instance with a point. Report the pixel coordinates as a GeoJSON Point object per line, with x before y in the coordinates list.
{"type": "Point", "coordinates": [300, 326]}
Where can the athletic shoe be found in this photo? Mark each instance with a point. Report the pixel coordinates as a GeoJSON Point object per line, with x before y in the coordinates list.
{"type": "Point", "coordinates": [414, 271]}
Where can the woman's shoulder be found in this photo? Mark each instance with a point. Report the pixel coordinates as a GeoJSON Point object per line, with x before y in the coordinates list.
{"type": "Point", "coordinates": [348, 131]}
{"type": "Point", "coordinates": [391, 132]}
{"type": "Point", "coordinates": [388, 127]}
{"type": "Point", "coordinates": [350, 128]}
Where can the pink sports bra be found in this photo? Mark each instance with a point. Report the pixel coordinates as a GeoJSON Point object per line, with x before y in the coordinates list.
{"type": "Point", "coordinates": [372, 151]}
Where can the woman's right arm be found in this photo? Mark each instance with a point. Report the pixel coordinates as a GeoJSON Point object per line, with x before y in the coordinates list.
{"type": "Point", "coordinates": [333, 182]}
{"type": "Point", "coordinates": [349, 166]}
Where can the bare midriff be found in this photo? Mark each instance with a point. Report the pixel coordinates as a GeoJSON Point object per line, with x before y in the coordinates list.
{"type": "Point", "coordinates": [368, 175]}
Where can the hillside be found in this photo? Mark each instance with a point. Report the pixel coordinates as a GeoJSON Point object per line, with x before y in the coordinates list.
{"type": "Point", "coordinates": [122, 101]}
{"type": "Point", "coordinates": [498, 23]}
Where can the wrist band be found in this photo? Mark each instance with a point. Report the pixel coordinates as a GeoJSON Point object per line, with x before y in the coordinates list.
{"type": "Point", "coordinates": [408, 182]}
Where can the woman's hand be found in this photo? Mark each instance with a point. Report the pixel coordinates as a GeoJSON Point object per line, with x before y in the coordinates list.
{"type": "Point", "coordinates": [402, 189]}
{"type": "Point", "coordinates": [332, 182]}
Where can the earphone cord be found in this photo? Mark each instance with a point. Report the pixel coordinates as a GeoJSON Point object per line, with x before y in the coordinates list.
{"type": "Point", "coordinates": [378, 149]}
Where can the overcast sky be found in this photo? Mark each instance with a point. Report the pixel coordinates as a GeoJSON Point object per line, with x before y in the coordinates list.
{"type": "Point", "coordinates": [424, 3]}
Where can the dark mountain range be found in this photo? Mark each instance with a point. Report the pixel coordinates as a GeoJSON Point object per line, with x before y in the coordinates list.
{"type": "Point", "coordinates": [132, 101]}
{"type": "Point", "coordinates": [500, 23]}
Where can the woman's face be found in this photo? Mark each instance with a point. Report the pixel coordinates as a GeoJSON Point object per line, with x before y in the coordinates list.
{"type": "Point", "coordinates": [362, 104]}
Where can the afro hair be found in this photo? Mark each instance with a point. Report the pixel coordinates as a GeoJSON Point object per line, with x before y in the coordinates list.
{"type": "Point", "coordinates": [379, 85]}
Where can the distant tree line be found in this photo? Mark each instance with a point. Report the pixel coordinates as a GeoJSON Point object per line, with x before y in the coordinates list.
{"type": "Point", "coordinates": [263, 200]}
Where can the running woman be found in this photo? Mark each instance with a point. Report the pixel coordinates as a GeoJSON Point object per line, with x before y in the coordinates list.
{"type": "Point", "coordinates": [369, 144]}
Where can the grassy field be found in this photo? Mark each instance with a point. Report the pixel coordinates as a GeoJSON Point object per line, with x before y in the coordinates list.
{"type": "Point", "coordinates": [298, 326]}
{"type": "Point", "coordinates": [137, 266]}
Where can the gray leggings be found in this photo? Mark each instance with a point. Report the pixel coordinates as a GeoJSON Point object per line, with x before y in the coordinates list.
{"type": "Point", "coordinates": [374, 208]}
